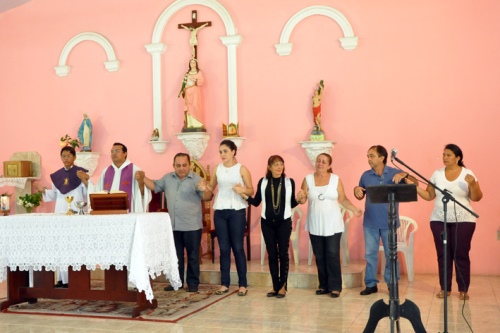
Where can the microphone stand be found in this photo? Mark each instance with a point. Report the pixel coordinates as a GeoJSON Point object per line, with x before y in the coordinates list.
{"type": "Point", "coordinates": [447, 196]}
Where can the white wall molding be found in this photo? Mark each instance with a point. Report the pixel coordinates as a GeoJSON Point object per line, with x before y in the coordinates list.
{"type": "Point", "coordinates": [348, 42]}
{"type": "Point", "coordinates": [112, 65]}
{"type": "Point", "coordinates": [231, 41]}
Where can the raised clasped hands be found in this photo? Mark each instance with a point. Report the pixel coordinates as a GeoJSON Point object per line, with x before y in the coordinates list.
{"type": "Point", "coordinates": [139, 176]}
{"type": "Point", "coordinates": [82, 175]}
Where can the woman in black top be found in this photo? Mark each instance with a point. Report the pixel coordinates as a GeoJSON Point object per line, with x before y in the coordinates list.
{"type": "Point", "coordinates": [276, 192]}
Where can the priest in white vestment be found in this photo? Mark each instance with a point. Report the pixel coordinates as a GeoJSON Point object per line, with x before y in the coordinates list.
{"type": "Point", "coordinates": [121, 175]}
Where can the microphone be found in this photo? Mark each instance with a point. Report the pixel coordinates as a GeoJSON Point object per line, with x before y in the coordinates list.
{"type": "Point", "coordinates": [394, 151]}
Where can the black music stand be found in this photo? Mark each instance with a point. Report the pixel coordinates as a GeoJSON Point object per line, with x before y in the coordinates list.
{"type": "Point", "coordinates": [391, 194]}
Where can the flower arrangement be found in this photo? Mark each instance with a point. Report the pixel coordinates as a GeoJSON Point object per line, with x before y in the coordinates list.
{"type": "Point", "coordinates": [29, 201]}
{"type": "Point", "coordinates": [67, 140]}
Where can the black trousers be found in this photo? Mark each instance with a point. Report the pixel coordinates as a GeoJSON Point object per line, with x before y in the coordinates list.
{"type": "Point", "coordinates": [459, 236]}
{"type": "Point", "coordinates": [277, 237]}
{"type": "Point", "coordinates": [189, 240]}
{"type": "Point", "coordinates": [326, 249]}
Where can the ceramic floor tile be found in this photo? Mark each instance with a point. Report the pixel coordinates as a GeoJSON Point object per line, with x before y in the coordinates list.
{"type": "Point", "coordinates": [300, 311]}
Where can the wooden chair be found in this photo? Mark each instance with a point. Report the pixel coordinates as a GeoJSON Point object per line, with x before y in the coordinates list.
{"type": "Point", "coordinates": [157, 203]}
{"type": "Point", "coordinates": [206, 211]}
{"type": "Point", "coordinates": [406, 244]}
{"type": "Point", "coordinates": [213, 235]}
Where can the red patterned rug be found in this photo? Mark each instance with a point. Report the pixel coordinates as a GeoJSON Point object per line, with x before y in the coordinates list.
{"type": "Point", "coordinates": [172, 305]}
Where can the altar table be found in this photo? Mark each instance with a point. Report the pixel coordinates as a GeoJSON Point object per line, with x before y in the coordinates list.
{"type": "Point", "coordinates": [140, 243]}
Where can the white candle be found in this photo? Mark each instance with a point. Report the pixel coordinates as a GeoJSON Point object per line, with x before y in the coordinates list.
{"type": "Point", "coordinates": [4, 202]}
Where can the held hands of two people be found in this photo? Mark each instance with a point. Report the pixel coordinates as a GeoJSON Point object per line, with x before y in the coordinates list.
{"type": "Point", "coordinates": [139, 176]}
{"type": "Point", "coordinates": [301, 196]}
{"type": "Point", "coordinates": [82, 175]}
{"type": "Point", "coordinates": [240, 189]}
{"type": "Point", "coordinates": [203, 185]}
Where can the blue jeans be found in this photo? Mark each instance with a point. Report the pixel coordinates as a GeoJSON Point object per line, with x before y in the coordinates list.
{"type": "Point", "coordinates": [372, 242]}
{"type": "Point", "coordinates": [230, 230]}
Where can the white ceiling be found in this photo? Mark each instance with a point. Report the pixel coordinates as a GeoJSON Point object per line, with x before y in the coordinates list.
{"type": "Point", "coordinates": [5, 5]}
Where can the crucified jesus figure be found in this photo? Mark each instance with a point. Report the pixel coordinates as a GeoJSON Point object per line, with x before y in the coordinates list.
{"type": "Point", "coordinates": [193, 40]}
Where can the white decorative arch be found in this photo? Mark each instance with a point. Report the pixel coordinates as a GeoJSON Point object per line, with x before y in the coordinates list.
{"type": "Point", "coordinates": [157, 48]}
{"type": "Point", "coordinates": [112, 65]}
{"type": "Point", "coordinates": [348, 42]}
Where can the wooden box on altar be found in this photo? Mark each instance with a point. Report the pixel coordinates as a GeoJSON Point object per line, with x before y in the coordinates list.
{"type": "Point", "coordinates": [17, 169]}
{"type": "Point", "coordinates": [109, 203]}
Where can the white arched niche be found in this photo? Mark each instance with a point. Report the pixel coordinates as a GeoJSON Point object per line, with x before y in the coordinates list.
{"type": "Point", "coordinates": [348, 42]}
{"type": "Point", "coordinates": [112, 65]}
{"type": "Point", "coordinates": [157, 48]}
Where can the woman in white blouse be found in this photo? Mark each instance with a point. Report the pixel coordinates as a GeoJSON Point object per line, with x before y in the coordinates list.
{"type": "Point", "coordinates": [463, 185]}
{"type": "Point", "coordinates": [234, 180]}
{"type": "Point", "coordinates": [325, 223]}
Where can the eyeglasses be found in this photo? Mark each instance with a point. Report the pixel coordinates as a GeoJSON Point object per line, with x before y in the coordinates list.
{"type": "Point", "coordinates": [115, 151]}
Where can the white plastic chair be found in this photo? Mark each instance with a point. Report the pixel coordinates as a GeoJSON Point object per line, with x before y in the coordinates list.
{"type": "Point", "coordinates": [405, 244]}
{"type": "Point", "coordinates": [294, 238]}
{"type": "Point", "coordinates": [347, 215]}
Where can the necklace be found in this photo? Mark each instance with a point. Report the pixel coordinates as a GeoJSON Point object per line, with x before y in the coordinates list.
{"type": "Point", "coordinates": [276, 205]}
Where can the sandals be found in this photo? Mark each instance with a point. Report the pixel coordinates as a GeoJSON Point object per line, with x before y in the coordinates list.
{"type": "Point", "coordinates": [441, 294]}
{"type": "Point", "coordinates": [221, 291]}
{"type": "Point", "coordinates": [463, 296]}
{"type": "Point", "coordinates": [281, 293]}
{"type": "Point", "coordinates": [242, 292]}
{"type": "Point", "coordinates": [335, 294]}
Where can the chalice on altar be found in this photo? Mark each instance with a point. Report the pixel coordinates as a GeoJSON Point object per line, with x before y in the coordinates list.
{"type": "Point", "coordinates": [80, 205]}
{"type": "Point", "coordinates": [69, 199]}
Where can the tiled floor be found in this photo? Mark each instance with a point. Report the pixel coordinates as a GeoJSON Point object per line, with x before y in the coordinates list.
{"type": "Point", "coordinates": [300, 311]}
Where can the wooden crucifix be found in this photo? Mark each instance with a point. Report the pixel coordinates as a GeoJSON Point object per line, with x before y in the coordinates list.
{"type": "Point", "coordinates": [193, 28]}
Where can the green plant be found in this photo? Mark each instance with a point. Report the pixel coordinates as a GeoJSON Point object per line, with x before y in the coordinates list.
{"type": "Point", "coordinates": [30, 200]}
{"type": "Point", "coordinates": [67, 140]}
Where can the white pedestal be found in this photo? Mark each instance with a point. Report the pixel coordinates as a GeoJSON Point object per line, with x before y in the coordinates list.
{"type": "Point", "coordinates": [87, 160]}
{"type": "Point", "coordinates": [314, 148]}
{"type": "Point", "coordinates": [195, 142]}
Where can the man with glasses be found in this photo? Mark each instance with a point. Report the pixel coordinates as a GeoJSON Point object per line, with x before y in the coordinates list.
{"type": "Point", "coordinates": [122, 175]}
{"type": "Point", "coordinates": [376, 216]}
{"type": "Point", "coordinates": [184, 191]}
{"type": "Point", "coordinates": [71, 180]}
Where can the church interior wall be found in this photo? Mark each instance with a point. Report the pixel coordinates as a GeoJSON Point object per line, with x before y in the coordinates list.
{"type": "Point", "coordinates": [424, 73]}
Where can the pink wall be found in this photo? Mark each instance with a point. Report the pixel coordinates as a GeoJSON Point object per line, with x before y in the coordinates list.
{"type": "Point", "coordinates": [425, 73]}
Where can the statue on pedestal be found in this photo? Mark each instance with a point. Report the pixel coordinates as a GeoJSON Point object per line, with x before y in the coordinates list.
{"type": "Point", "coordinates": [191, 92]}
{"type": "Point", "coordinates": [155, 136]}
{"type": "Point", "coordinates": [85, 133]}
{"type": "Point", "coordinates": [317, 133]}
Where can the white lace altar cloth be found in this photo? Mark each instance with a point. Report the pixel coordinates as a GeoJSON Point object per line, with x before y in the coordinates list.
{"type": "Point", "coordinates": [15, 182]}
{"type": "Point", "coordinates": [142, 242]}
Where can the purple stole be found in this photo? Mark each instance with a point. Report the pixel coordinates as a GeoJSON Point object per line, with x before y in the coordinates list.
{"type": "Point", "coordinates": [67, 180]}
{"type": "Point", "coordinates": [125, 180]}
